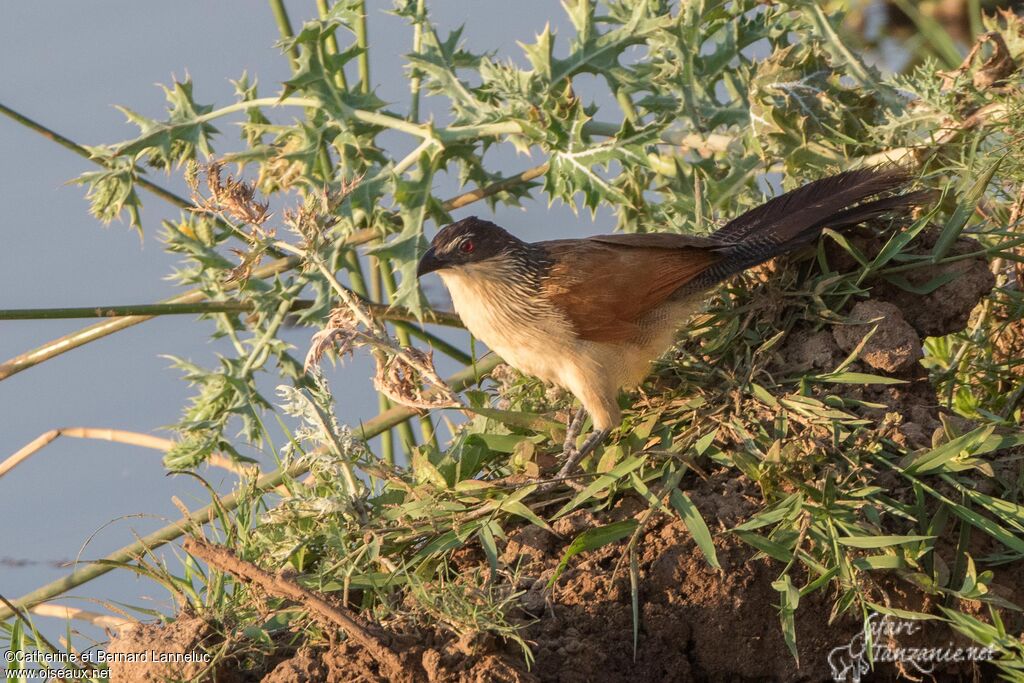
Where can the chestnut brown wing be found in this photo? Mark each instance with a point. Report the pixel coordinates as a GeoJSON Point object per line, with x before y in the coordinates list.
{"type": "Point", "coordinates": [606, 287]}
{"type": "Point", "coordinates": [659, 240]}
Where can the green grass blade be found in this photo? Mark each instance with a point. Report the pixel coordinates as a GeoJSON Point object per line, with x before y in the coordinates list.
{"type": "Point", "coordinates": [879, 541]}
{"type": "Point", "coordinates": [965, 209]}
{"type": "Point", "coordinates": [937, 458]}
{"type": "Point", "coordinates": [691, 517]}
{"type": "Point", "coordinates": [592, 539]}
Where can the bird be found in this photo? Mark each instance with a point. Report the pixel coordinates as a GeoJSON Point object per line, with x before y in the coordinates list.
{"type": "Point", "coordinates": [590, 315]}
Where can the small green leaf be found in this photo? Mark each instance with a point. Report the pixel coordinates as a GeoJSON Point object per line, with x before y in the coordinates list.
{"type": "Point", "coordinates": [938, 458]}
{"type": "Point", "coordinates": [789, 599]}
{"type": "Point", "coordinates": [502, 443]}
{"type": "Point", "coordinates": [768, 547]}
{"type": "Point", "coordinates": [705, 441]}
{"type": "Point", "coordinates": [426, 471]}
{"type": "Point", "coordinates": [856, 378]}
{"type": "Point", "coordinates": [488, 545]}
{"type": "Point", "coordinates": [602, 482]}
{"type": "Point", "coordinates": [923, 289]}
{"type": "Point", "coordinates": [875, 562]}
{"type": "Point", "coordinates": [514, 418]}
{"type": "Point", "coordinates": [519, 509]}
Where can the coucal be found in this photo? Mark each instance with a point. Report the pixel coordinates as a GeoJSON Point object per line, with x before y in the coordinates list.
{"type": "Point", "coordinates": [590, 315]}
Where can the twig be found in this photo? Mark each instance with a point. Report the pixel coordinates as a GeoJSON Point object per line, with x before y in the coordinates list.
{"type": "Point", "coordinates": [381, 311]}
{"type": "Point", "coordinates": [98, 331]}
{"type": "Point", "coordinates": [117, 436]}
{"type": "Point", "coordinates": [67, 612]}
{"type": "Point", "coordinates": [374, 639]}
{"type": "Point", "coordinates": [495, 187]}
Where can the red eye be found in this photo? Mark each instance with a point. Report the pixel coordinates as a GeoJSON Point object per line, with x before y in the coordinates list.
{"type": "Point", "coordinates": [467, 247]}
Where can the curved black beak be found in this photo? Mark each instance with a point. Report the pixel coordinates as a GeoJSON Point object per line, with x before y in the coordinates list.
{"type": "Point", "coordinates": [429, 262]}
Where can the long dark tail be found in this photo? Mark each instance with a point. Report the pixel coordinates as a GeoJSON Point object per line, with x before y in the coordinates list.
{"type": "Point", "coordinates": [796, 218]}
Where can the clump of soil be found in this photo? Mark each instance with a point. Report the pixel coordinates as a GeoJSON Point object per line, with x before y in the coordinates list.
{"type": "Point", "coordinates": [186, 636]}
{"type": "Point", "coordinates": [903, 320]}
{"type": "Point", "coordinates": [895, 345]}
{"type": "Point", "coordinates": [805, 350]}
{"type": "Point", "coordinates": [694, 620]}
{"type": "Point", "coordinates": [948, 308]}
{"type": "Point", "coordinates": [945, 308]}
{"type": "Point", "coordinates": [306, 665]}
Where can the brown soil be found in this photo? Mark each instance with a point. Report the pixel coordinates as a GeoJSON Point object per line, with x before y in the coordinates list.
{"type": "Point", "coordinates": [941, 311]}
{"type": "Point", "coordinates": [695, 623]}
{"type": "Point", "coordinates": [184, 636]}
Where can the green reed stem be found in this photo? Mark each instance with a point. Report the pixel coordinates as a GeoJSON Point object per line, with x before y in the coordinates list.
{"type": "Point", "coordinates": [427, 429]}
{"type": "Point", "coordinates": [364, 56]}
{"type": "Point", "coordinates": [284, 27]}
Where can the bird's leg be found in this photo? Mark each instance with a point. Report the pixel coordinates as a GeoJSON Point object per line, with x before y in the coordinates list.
{"type": "Point", "coordinates": [571, 454]}
{"type": "Point", "coordinates": [572, 432]}
{"type": "Point", "coordinates": [592, 441]}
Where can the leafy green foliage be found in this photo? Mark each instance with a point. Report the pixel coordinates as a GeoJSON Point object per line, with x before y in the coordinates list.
{"type": "Point", "coordinates": [695, 105]}
{"type": "Point", "coordinates": [182, 137]}
{"type": "Point", "coordinates": [112, 190]}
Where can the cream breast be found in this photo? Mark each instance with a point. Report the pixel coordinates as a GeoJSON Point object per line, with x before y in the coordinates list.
{"type": "Point", "coordinates": [526, 333]}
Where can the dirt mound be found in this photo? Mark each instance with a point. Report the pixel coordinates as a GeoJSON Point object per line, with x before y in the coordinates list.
{"type": "Point", "coordinates": [934, 299]}
{"type": "Point", "coordinates": [695, 622]}
{"type": "Point", "coordinates": [185, 637]}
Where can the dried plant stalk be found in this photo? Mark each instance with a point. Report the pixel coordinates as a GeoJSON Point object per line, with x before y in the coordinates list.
{"type": "Point", "coordinates": [377, 642]}
{"type": "Point", "coordinates": [117, 436]}
{"type": "Point", "coordinates": [402, 372]}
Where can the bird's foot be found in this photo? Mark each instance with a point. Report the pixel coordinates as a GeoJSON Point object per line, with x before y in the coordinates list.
{"type": "Point", "coordinates": [573, 455]}
{"type": "Point", "coordinates": [572, 432]}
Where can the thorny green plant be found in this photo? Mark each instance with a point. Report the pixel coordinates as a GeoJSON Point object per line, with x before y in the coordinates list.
{"type": "Point", "coordinates": [672, 115]}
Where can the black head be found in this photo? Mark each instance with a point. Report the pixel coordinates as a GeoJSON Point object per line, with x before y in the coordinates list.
{"type": "Point", "coordinates": [471, 240]}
